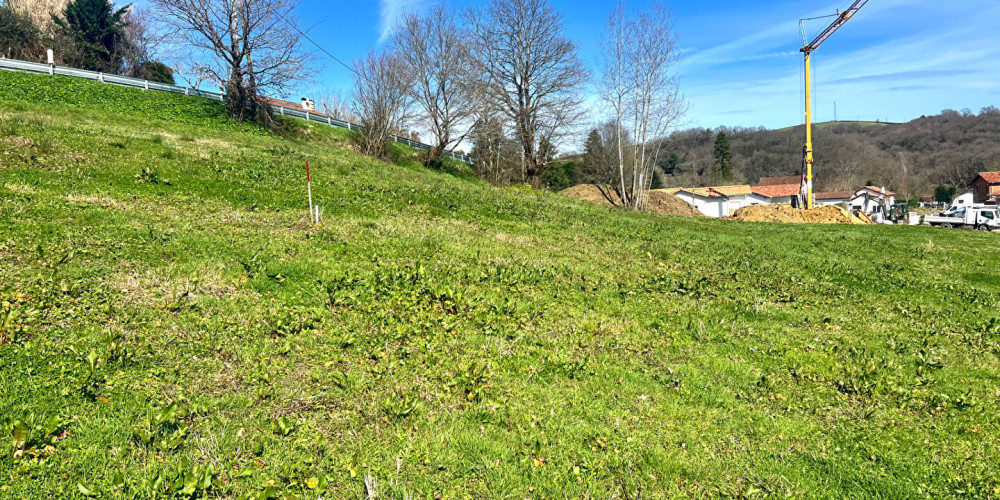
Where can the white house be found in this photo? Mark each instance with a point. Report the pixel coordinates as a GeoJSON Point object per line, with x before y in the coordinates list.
{"type": "Point", "coordinates": [834, 198]}
{"type": "Point", "coordinates": [720, 201]}
{"type": "Point", "coordinates": [864, 198]}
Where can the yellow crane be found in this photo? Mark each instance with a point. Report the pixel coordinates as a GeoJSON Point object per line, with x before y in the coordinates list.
{"type": "Point", "coordinates": [842, 18]}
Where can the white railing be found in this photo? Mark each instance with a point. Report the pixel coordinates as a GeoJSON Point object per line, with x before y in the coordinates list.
{"type": "Point", "coordinates": [48, 69]}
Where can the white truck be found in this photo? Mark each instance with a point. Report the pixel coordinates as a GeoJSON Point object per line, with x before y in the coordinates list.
{"type": "Point", "coordinates": [985, 218]}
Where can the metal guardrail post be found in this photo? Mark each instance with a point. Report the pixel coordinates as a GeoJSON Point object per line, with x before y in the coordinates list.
{"type": "Point", "coordinates": [100, 77]}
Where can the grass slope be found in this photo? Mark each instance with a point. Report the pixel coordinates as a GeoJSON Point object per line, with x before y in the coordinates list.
{"type": "Point", "coordinates": [174, 327]}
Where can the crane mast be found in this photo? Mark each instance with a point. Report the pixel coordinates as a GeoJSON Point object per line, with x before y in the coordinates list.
{"type": "Point", "coordinates": [807, 50]}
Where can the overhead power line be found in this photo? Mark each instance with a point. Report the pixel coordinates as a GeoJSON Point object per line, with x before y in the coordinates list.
{"type": "Point", "coordinates": [318, 46]}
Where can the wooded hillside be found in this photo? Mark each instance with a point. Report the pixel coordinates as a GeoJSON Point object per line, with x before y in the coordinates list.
{"type": "Point", "coordinates": [910, 158]}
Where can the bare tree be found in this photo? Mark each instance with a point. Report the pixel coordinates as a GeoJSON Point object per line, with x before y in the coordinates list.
{"type": "Point", "coordinates": [254, 47]}
{"type": "Point", "coordinates": [139, 41]}
{"type": "Point", "coordinates": [530, 70]}
{"type": "Point", "coordinates": [436, 56]}
{"type": "Point", "coordinates": [381, 100]}
{"type": "Point", "coordinates": [334, 104]}
{"type": "Point", "coordinates": [639, 58]}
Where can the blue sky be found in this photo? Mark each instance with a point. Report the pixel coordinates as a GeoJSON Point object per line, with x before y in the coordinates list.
{"type": "Point", "coordinates": [896, 60]}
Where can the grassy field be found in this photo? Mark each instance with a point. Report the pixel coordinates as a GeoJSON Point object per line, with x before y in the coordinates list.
{"type": "Point", "coordinates": [172, 326]}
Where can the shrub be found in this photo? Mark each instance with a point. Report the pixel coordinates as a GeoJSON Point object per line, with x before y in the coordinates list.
{"type": "Point", "coordinates": [155, 71]}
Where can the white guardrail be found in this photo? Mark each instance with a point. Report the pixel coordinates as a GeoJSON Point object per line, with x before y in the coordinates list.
{"type": "Point", "coordinates": [124, 81]}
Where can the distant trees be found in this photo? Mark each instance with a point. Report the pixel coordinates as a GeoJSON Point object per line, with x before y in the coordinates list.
{"type": "Point", "coordinates": [723, 155]}
{"type": "Point", "coordinates": [910, 158]}
{"type": "Point", "coordinates": [253, 46]}
{"type": "Point", "coordinates": [601, 159]}
{"type": "Point", "coordinates": [944, 194]}
{"type": "Point", "coordinates": [497, 156]}
{"type": "Point", "coordinates": [87, 34]}
{"type": "Point", "coordinates": [560, 175]}
{"type": "Point", "coordinates": [39, 12]}
{"type": "Point", "coordinates": [97, 30]}
{"type": "Point", "coordinates": [381, 100]}
{"type": "Point", "coordinates": [138, 48]}
{"type": "Point", "coordinates": [335, 104]}
{"type": "Point", "coordinates": [19, 37]}
{"type": "Point", "coordinates": [639, 57]}
{"type": "Point", "coordinates": [433, 50]}
{"type": "Point", "coordinates": [529, 72]}
{"type": "Point", "coordinates": [155, 71]}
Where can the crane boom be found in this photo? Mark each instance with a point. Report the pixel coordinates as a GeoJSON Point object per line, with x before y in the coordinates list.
{"type": "Point", "coordinates": [842, 19]}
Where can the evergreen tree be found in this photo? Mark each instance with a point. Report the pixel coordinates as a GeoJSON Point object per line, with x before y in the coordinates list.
{"type": "Point", "coordinates": [594, 168]}
{"type": "Point", "coordinates": [657, 181]}
{"type": "Point", "coordinates": [670, 166]}
{"type": "Point", "coordinates": [723, 155]}
{"type": "Point", "coordinates": [156, 71]}
{"type": "Point", "coordinates": [96, 28]}
{"type": "Point", "coordinates": [944, 194]}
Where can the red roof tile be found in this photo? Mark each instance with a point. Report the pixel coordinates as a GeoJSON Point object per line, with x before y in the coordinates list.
{"type": "Point", "coordinates": [884, 192]}
{"type": "Point", "coordinates": [991, 177]}
{"type": "Point", "coordinates": [777, 181]}
{"type": "Point", "coordinates": [289, 104]}
{"type": "Point", "coordinates": [834, 195]}
{"type": "Point", "coordinates": [779, 190]}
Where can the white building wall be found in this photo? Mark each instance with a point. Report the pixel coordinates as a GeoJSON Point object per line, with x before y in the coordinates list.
{"type": "Point", "coordinates": [963, 200]}
{"type": "Point", "coordinates": [711, 207]}
{"type": "Point", "coordinates": [834, 201]}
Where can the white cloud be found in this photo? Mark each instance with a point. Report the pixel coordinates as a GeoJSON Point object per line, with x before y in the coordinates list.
{"type": "Point", "coordinates": [775, 40]}
{"type": "Point", "coordinates": [391, 12]}
{"type": "Point", "coordinates": [899, 76]}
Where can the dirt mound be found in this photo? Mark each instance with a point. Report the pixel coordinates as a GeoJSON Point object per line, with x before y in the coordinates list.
{"type": "Point", "coordinates": [664, 202]}
{"type": "Point", "coordinates": [785, 213]}
{"type": "Point", "coordinates": [660, 201]}
{"type": "Point", "coordinates": [592, 193]}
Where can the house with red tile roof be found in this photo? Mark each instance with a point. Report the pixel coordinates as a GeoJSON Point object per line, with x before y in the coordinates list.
{"type": "Point", "coordinates": [986, 187]}
{"type": "Point", "coordinates": [834, 197]}
{"type": "Point", "coordinates": [780, 190]}
{"type": "Point", "coordinates": [778, 193]}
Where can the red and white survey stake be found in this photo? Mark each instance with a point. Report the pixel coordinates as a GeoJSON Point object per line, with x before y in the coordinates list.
{"type": "Point", "coordinates": [309, 190]}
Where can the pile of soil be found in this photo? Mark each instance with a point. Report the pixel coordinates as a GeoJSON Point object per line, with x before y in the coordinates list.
{"type": "Point", "coordinates": [664, 202]}
{"type": "Point", "coordinates": [785, 213]}
{"type": "Point", "coordinates": [660, 201]}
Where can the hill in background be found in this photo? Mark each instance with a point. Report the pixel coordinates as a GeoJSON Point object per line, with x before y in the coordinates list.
{"type": "Point", "coordinates": [909, 158]}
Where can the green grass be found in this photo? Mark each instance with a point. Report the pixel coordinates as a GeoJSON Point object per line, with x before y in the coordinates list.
{"type": "Point", "coordinates": [174, 326]}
